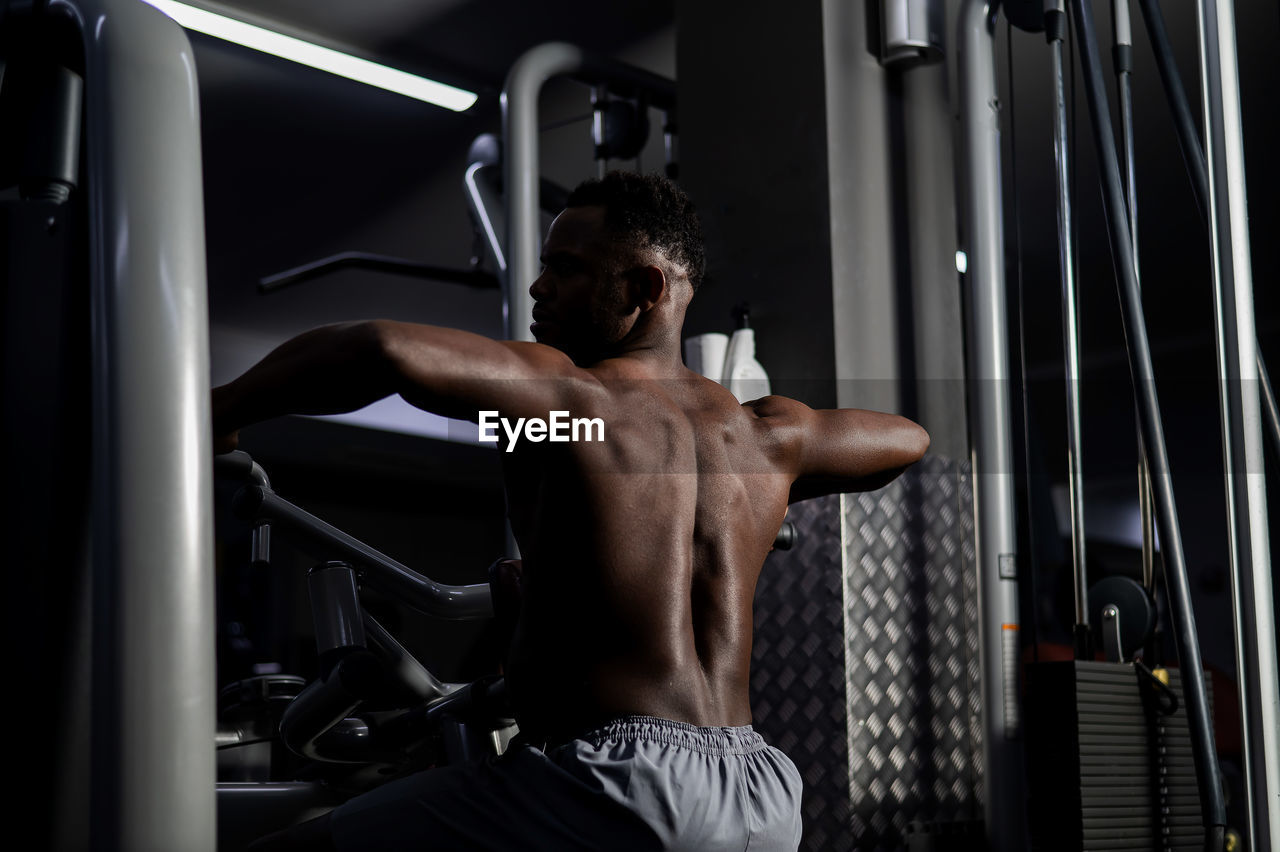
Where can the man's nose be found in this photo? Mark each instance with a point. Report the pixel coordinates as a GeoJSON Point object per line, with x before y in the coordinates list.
{"type": "Point", "coordinates": [541, 287]}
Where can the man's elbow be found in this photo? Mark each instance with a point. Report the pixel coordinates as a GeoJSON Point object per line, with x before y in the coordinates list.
{"type": "Point", "coordinates": [918, 442]}
{"type": "Point", "coordinates": [910, 442]}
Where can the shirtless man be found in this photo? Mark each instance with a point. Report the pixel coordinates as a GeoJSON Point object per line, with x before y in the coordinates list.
{"type": "Point", "coordinates": [630, 666]}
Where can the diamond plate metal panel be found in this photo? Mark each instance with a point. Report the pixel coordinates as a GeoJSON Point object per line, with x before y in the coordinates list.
{"type": "Point", "coordinates": [797, 667]}
{"type": "Point", "coordinates": [865, 666]}
{"type": "Point", "coordinates": [969, 561]}
{"type": "Point", "coordinates": [909, 678]}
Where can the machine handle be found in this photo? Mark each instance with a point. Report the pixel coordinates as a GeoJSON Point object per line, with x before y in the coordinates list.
{"type": "Point", "coordinates": [325, 703]}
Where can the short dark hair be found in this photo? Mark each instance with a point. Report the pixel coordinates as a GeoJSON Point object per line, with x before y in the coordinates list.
{"type": "Point", "coordinates": [648, 210]}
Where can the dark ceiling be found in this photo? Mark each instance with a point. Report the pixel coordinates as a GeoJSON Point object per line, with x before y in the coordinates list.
{"type": "Point", "coordinates": [467, 43]}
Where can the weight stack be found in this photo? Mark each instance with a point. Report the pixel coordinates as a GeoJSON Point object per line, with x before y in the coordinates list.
{"type": "Point", "coordinates": [1107, 769]}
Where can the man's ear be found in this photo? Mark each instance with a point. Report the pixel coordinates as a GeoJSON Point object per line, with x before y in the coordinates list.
{"type": "Point", "coordinates": [645, 286]}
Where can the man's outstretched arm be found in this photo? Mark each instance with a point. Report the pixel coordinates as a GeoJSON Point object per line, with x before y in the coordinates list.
{"type": "Point", "coordinates": [841, 450]}
{"type": "Point", "coordinates": [327, 370]}
{"type": "Point", "coordinates": [340, 368]}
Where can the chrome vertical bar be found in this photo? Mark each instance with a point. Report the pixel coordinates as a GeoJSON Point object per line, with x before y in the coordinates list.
{"type": "Point", "coordinates": [1055, 27]}
{"type": "Point", "coordinates": [1241, 422]}
{"type": "Point", "coordinates": [521, 172]}
{"type": "Point", "coordinates": [991, 432]}
{"type": "Point", "coordinates": [153, 756]}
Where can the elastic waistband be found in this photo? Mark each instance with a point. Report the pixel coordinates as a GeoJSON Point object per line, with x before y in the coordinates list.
{"type": "Point", "coordinates": [708, 740]}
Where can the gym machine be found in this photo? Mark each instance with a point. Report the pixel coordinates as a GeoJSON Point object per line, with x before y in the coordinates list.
{"type": "Point", "coordinates": [1081, 808]}
{"type": "Point", "coordinates": [288, 748]}
{"type": "Point", "coordinates": [106, 311]}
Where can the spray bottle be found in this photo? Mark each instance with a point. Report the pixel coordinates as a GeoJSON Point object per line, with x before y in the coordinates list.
{"type": "Point", "coordinates": [743, 375]}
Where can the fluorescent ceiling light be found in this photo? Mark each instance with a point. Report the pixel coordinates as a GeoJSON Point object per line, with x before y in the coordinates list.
{"type": "Point", "coordinates": [305, 53]}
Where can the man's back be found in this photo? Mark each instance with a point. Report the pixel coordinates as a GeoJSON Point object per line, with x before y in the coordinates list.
{"type": "Point", "coordinates": [630, 664]}
{"type": "Point", "coordinates": [641, 552]}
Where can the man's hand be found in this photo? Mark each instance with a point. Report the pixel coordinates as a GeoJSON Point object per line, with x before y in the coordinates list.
{"type": "Point", "coordinates": [224, 440]}
{"type": "Point", "coordinates": [226, 443]}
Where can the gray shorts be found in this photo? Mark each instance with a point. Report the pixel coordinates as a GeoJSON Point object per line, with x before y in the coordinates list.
{"type": "Point", "coordinates": [635, 783]}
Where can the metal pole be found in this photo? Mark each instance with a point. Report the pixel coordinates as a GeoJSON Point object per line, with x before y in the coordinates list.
{"type": "Point", "coordinates": [521, 171]}
{"type": "Point", "coordinates": [1122, 54]}
{"type": "Point", "coordinates": [1055, 28]}
{"type": "Point", "coordinates": [153, 768]}
{"type": "Point", "coordinates": [1178, 105]}
{"type": "Point", "coordinates": [991, 433]}
{"type": "Point", "coordinates": [1148, 404]}
{"type": "Point", "coordinates": [417, 590]}
{"type": "Point", "coordinates": [1241, 423]}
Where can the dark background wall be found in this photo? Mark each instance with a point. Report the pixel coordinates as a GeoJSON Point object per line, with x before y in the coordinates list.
{"type": "Point", "coordinates": [753, 125]}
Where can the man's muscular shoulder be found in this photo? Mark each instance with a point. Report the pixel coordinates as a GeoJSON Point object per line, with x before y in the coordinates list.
{"type": "Point", "coordinates": [778, 408]}
{"type": "Point", "coordinates": [780, 424]}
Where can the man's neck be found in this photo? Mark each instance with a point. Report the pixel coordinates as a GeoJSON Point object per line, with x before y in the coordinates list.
{"type": "Point", "coordinates": [657, 350]}
{"type": "Point", "coordinates": [654, 348]}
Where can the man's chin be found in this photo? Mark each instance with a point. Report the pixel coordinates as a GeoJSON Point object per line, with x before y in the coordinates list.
{"type": "Point", "coordinates": [548, 338]}
{"type": "Point", "coordinates": [554, 342]}
{"type": "Point", "coordinates": [579, 353]}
